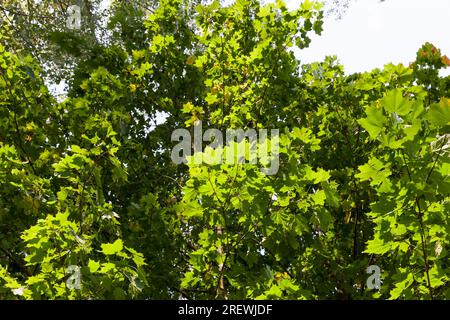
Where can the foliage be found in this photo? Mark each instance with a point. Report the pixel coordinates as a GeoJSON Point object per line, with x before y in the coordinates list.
{"type": "Point", "coordinates": [88, 187]}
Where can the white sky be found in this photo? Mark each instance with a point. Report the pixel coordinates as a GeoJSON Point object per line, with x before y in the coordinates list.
{"type": "Point", "coordinates": [372, 33]}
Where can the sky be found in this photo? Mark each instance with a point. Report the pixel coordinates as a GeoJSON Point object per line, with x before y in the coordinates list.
{"type": "Point", "coordinates": [372, 33]}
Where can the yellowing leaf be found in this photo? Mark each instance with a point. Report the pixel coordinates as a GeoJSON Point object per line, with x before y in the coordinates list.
{"type": "Point", "coordinates": [190, 60]}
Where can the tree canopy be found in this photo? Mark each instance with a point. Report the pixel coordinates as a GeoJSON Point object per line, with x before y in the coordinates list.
{"type": "Point", "coordinates": [93, 207]}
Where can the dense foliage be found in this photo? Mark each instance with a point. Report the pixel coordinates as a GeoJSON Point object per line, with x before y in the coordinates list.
{"type": "Point", "coordinates": [88, 187]}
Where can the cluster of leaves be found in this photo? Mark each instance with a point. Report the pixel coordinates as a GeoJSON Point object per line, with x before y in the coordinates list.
{"type": "Point", "coordinates": [54, 212]}
{"type": "Point", "coordinates": [88, 182]}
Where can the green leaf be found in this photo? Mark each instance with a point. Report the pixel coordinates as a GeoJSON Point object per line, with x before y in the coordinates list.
{"type": "Point", "coordinates": [331, 195]}
{"type": "Point", "coordinates": [378, 246]}
{"type": "Point", "coordinates": [394, 102]}
{"type": "Point", "coordinates": [401, 286]}
{"type": "Point", "coordinates": [211, 98]}
{"type": "Point", "coordinates": [439, 113]}
{"type": "Point", "coordinates": [319, 197]}
{"type": "Point", "coordinates": [374, 171]}
{"type": "Point", "coordinates": [112, 248]}
{"type": "Point", "coordinates": [374, 123]}
{"type": "Point", "coordinates": [437, 277]}
{"type": "Point", "coordinates": [318, 176]}
{"type": "Point", "coordinates": [93, 266]}
{"type": "Point", "coordinates": [62, 194]}
{"type": "Point", "coordinates": [325, 219]}
{"type": "Point", "coordinates": [76, 149]}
